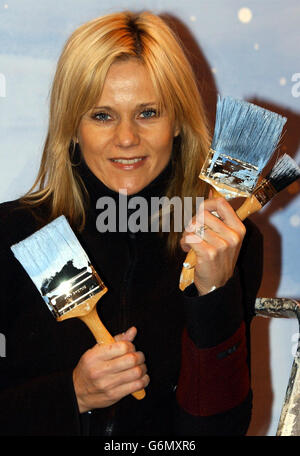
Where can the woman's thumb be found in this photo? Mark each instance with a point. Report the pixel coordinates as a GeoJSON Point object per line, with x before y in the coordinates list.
{"type": "Point", "coordinates": [127, 335]}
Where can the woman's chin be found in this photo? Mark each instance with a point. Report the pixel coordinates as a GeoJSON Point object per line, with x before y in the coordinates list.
{"type": "Point", "coordinates": [126, 188]}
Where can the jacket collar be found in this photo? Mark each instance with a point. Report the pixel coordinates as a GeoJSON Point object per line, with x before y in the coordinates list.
{"type": "Point", "coordinates": [97, 189]}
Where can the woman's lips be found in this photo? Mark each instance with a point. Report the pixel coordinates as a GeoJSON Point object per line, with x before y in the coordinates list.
{"type": "Point", "coordinates": [128, 164]}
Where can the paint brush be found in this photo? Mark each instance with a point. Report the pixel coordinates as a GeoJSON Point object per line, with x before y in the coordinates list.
{"type": "Point", "coordinates": [284, 173]}
{"type": "Point", "coordinates": [244, 140]}
{"type": "Point", "coordinates": [62, 272]}
{"type": "Point", "coordinates": [245, 137]}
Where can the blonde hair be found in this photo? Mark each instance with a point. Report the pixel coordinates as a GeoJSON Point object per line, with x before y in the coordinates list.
{"type": "Point", "coordinates": [78, 82]}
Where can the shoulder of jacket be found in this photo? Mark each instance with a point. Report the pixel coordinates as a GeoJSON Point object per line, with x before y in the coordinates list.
{"type": "Point", "coordinates": [16, 222]}
{"type": "Point", "coordinates": [8, 206]}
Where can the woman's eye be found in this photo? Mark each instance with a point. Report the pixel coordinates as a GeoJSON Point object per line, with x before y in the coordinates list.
{"type": "Point", "coordinates": [148, 113]}
{"type": "Point", "coordinates": [102, 116]}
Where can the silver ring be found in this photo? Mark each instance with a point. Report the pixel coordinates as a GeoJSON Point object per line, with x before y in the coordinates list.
{"type": "Point", "coordinates": [200, 230]}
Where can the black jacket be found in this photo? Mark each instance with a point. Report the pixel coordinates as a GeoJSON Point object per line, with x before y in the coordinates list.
{"type": "Point", "coordinates": [196, 348]}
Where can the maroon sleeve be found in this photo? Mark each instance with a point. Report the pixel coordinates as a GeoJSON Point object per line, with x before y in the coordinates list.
{"type": "Point", "coordinates": [214, 379]}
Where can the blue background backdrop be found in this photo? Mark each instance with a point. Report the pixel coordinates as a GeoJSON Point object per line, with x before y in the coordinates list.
{"type": "Point", "coordinates": [247, 49]}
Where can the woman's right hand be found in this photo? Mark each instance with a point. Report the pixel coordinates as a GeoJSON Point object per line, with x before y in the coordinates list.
{"type": "Point", "coordinates": [107, 373]}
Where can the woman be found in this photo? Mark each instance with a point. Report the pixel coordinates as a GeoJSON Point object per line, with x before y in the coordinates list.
{"type": "Point", "coordinates": [126, 117]}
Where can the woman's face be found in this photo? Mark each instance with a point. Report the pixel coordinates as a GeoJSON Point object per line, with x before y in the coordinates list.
{"type": "Point", "coordinates": [125, 140]}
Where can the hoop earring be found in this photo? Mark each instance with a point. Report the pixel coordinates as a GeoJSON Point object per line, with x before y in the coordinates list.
{"type": "Point", "coordinates": [75, 153]}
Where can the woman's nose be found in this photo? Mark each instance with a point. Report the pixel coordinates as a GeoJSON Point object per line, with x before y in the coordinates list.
{"type": "Point", "coordinates": [127, 134]}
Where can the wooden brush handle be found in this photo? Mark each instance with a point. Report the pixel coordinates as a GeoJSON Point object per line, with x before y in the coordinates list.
{"type": "Point", "coordinates": [250, 206]}
{"type": "Point", "coordinates": [102, 336]}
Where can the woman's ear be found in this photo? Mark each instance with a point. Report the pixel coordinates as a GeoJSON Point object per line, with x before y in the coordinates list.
{"type": "Point", "coordinates": [176, 129]}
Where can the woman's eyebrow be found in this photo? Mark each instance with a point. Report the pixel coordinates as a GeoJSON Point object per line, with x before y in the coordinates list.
{"type": "Point", "coordinates": [140, 105]}
{"type": "Point", "coordinates": [107, 108]}
{"type": "Point", "coordinates": [143, 105]}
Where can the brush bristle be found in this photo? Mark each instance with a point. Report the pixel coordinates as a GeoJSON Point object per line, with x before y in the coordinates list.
{"type": "Point", "coordinates": [48, 250]}
{"type": "Point", "coordinates": [283, 173]}
{"type": "Point", "coordinates": [246, 132]}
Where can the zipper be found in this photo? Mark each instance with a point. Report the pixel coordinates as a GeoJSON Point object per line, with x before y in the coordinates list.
{"type": "Point", "coordinates": [123, 323]}
{"type": "Point", "coordinates": [123, 326]}
{"type": "Point", "coordinates": [124, 301]}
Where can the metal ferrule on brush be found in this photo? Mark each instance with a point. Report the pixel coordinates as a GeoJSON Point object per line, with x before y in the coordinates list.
{"type": "Point", "coordinates": [264, 192]}
{"type": "Point", "coordinates": [73, 292]}
{"type": "Point", "coordinates": [230, 176]}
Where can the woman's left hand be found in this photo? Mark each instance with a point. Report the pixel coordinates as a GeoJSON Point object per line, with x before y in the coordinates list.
{"type": "Point", "coordinates": [218, 247]}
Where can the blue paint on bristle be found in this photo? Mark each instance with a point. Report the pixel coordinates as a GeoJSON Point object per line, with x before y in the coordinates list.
{"type": "Point", "coordinates": [246, 132]}
{"type": "Point", "coordinates": [45, 252]}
